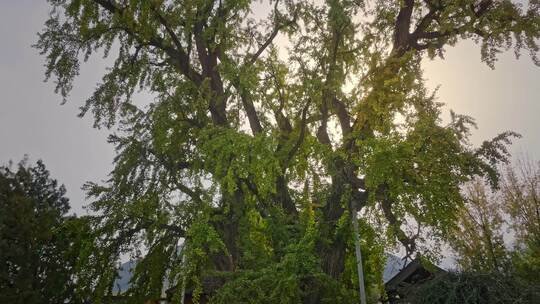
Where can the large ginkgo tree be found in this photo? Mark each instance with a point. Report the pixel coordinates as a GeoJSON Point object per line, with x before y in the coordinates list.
{"type": "Point", "coordinates": [269, 125]}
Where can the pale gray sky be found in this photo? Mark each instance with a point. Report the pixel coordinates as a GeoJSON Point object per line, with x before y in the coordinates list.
{"type": "Point", "coordinates": [33, 122]}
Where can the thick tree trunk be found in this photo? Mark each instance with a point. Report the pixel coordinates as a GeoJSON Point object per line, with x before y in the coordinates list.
{"type": "Point", "coordinates": [345, 194]}
{"type": "Point", "coordinates": [227, 227]}
{"type": "Point", "coordinates": [331, 247]}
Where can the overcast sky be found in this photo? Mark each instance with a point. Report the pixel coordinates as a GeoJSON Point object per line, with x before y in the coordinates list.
{"type": "Point", "coordinates": [33, 122]}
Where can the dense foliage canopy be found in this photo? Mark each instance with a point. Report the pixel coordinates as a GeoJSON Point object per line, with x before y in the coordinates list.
{"type": "Point", "coordinates": [270, 124]}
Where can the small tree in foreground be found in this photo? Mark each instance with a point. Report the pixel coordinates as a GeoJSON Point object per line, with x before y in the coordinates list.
{"type": "Point", "coordinates": [256, 154]}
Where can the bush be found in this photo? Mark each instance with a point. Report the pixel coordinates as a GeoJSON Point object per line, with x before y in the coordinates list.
{"type": "Point", "coordinates": [477, 288]}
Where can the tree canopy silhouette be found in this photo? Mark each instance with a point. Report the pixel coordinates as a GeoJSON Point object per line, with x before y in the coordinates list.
{"type": "Point", "coordinates": [39, 242]}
